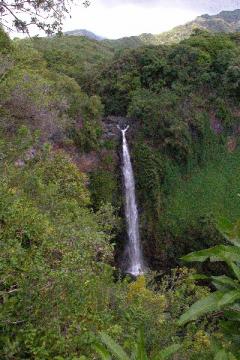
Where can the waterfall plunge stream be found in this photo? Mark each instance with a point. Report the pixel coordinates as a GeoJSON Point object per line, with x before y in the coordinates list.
{"type": "Point", "coordinates": [135, 261]}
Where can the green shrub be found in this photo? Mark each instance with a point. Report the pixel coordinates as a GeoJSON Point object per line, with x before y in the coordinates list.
{"type": "Point", "coordinates": [5, 42]}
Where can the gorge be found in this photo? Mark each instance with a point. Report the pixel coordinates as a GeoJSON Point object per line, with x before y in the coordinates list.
{"type": "Point", "coordinates": [65, 257]}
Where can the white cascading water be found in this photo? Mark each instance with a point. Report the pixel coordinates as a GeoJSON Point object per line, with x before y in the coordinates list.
{"type": "Point", "coordinates": [135, 260]}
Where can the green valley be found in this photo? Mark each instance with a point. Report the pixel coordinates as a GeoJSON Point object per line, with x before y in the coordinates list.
{"type": "Point", "coordinates": [63, 231]}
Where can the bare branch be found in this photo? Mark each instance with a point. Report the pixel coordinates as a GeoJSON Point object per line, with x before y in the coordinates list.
{"type": "Point", "coordinates": [47, 15]}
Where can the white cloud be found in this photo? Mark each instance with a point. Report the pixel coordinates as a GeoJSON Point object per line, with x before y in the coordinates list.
{"type": "Point", "coordinates": [211, 6]}
{"type": "Point", "coordinates": [128, 19]}
{"type": "Point", "coordinates": [118, 18]}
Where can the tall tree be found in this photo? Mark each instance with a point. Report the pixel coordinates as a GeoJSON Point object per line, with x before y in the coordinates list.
{"type": "Point", "coordinates": [47, 15]}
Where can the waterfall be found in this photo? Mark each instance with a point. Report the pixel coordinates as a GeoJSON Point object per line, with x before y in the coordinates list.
{"type": "Point", "coordinates": [135, 261]}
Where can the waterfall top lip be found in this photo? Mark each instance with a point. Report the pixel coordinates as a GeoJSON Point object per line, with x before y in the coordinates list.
{"type": "Point", "coordinates": [123, 130]}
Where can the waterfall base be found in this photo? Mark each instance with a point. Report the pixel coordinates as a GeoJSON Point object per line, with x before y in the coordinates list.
{"type": "Point", "coordinates": [135, 271]}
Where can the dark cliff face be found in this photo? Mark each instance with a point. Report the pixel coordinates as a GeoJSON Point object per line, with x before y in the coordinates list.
{"type": "Point", "coordinates": [111, 140]}
{"type": "Point", "coordinates": [111, 125]}
{"type": "Point", "coordinates": [108, 155]}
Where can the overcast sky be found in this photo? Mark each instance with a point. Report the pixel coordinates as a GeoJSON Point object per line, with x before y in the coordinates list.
{"type": "Point", "coordinates": [118, 18]}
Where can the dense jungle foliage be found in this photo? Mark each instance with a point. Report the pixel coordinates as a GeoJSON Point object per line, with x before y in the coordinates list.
{"type": "Point", "coordinates": [60, 292]}
{"type": "Point", "coordinates": [184, 101]}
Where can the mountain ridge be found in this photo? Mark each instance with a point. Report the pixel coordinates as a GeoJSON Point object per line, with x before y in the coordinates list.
{"type": "Point", "coordinates": [85, 33]}
{"type": "Point", "coordinates": [225, 21]}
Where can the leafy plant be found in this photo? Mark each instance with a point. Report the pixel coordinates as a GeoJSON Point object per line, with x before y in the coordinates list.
{"type": "Point", "coordinates": [225, 301]}
{"type": "Point", "coordinates": [139, 352]}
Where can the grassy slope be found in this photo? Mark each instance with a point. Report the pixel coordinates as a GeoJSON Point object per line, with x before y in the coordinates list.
{"type": "Point", "coordinates": [210, 190]}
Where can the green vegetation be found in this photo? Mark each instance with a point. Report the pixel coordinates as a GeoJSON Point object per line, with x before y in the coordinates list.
{"type": "Point", "coordinates": [139, 353]}
{"type": "Point", "coordinates": [42, 99]}
{"type": "Point", "coordinates": [184, 103]}
{"type": "Point", "coordinates": [74, 56]}
{"type": "Point", "coordinates": [57, 286]}
{"type": "Point", "coordinates": [226, 298]}
{"type": "Point", "coordinates": [60, 227]}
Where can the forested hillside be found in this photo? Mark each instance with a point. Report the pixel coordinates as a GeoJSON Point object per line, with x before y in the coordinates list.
{"type": "Point", "coordinates": [75, 56]}
{"type": "Point", "coordinates": [62, 230]}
